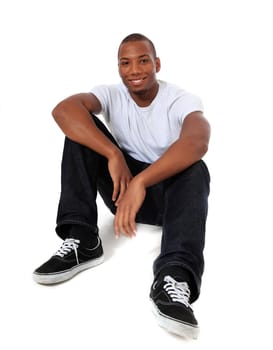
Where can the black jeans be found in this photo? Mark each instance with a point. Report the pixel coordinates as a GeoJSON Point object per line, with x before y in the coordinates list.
{"type": "Point", "coordinates": [178, 204]}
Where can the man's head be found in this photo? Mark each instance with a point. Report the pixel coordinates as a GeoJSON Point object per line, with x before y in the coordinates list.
{"type": "Point", "coordinates": [138, 37]}
{"type": "Point", "coordinates": [138, 65]}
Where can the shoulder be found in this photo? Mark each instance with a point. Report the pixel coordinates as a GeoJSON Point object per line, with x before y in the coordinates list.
{"type": "Point", "coordinates": [183, 97]}
{"type": "Point", "coordinates": [174, 90]}
{"type": "Point", "coordinates": [177, 96]}
{"type": "Point", "coordinates": [109, 93]}
{"type": "Point", "coordinates": [180, 102]}
{"type": "Point", "coordinates": [107, 88]}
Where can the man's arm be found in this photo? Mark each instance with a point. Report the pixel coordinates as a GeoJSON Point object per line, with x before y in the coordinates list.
{"type": "Point", "coordinates": [73, 117]}
{"type": "Point", "coordinates": [188, 149]}
{"type": "Point", "coordinates": [191, 146]}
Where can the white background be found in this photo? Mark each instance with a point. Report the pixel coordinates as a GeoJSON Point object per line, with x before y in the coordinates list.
{"type": "Point", "coordinates": [220, 50]}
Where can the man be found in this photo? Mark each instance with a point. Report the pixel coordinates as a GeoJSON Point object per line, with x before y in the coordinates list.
{"type": "Point", "coordinates": [149, 169]}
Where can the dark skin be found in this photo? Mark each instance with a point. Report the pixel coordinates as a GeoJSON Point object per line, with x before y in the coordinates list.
{"type": "Point", "coordinates": [137, 68]}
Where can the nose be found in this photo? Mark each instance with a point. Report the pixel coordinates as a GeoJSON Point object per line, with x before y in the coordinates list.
{"type": "Point", "coordinates": [135, 68]}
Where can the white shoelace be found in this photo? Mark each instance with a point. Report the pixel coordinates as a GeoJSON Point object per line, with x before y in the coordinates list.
{"type": "Point", "coordinates": [68, 245]}
{"type": "Point", "coordinates": [178, 291]}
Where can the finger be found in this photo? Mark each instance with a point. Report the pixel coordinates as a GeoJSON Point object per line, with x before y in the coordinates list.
{"type": "Point", "coordinates": [115, 190]}
{"type": "Point", "coordinates": [125, 223]}
{"type": "Point", "coordinates": [118, 223]}
{"type": "Point", "coordinates": [132, 222]}
{"type": "Point", "coordinates": [116, 226]}
{"type": "Point", "coordinates": [122, 190]}
{"type": "Point", "coordinates": [122, 220]}
{"type": "Point", "coordinates": [128, 227]}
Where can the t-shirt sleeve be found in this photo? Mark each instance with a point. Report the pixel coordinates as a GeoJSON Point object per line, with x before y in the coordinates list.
{"type": "Point", "coordinates": [185, 104]}
{"type": "Point", "coordinates": [103, 95]}
{"type": "Point", "coordinates": [192, 103]}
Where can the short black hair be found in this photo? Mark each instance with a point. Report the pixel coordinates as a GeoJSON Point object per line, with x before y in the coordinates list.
{"type": "Point", "coordinates": [138, 37]}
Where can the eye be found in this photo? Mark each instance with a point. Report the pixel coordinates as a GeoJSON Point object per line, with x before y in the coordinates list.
{"type": "Point", "coordinates": [144, 60]}
{"type": "Point", "coordinates": [124, 63]}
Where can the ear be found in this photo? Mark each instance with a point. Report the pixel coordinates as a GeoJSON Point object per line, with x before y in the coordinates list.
{"type": "Point", "coordinates": [157, 64]}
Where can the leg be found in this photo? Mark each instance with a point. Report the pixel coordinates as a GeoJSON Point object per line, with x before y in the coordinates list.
{"type": "Point", "coordinates": [82, 169]}
{"type": "Point", "coordinates": [184, 221]}
{"type": "Point", "coordinates": [179, 267]}
{"type": "Point", "coordinates": [77, 205]}
{"type": "Point", "coordinates": [83, 173]}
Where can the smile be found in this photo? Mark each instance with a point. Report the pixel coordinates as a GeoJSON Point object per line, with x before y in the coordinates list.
{"type": "Point", "coordinates": [136, 81]}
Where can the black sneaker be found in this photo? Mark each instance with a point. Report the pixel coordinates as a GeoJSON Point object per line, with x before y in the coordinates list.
{"type": "Point", "coordinates": [70, 259]}
{"type": "Point", "coordinates": [170, 304]}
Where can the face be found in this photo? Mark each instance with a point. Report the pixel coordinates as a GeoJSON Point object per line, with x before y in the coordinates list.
{"type": "Point", "coordinates": [138, 67]}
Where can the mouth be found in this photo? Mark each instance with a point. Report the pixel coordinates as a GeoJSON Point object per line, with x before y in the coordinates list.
{"type": "Point", "coordinates": [136, 82]}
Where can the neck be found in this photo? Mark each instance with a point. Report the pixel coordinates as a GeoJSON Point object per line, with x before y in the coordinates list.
{"type": "Point", "coordinates": [145, 98]}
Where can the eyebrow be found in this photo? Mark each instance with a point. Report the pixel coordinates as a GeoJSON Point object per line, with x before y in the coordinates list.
{"type": "Point", "coordinates": [141, 56]}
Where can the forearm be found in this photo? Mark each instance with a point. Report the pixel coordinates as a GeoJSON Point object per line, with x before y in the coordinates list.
{"type": "Point", "coordinates": [179, 156]}
{"type": "Point", "coordinates": [77, 124]}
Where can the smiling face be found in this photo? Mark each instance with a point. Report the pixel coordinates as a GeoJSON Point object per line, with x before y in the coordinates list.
{"type": "Point", "coordinates": [137, 68]}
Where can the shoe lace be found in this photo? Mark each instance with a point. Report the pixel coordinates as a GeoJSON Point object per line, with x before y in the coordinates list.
{"type": "Point", "coordinates": [178, 291]}
{"type": "Point", "coordinates": [68, 245]}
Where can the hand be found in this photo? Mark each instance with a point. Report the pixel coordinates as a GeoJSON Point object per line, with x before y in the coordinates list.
{"type": "Point", "coordinates": [120, 174]}
{"type": "Point", "coordinates": [128, 207]}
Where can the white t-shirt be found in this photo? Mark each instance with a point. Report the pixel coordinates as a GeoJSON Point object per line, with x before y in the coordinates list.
{"type": "Point", "coordinates": [145, 133]}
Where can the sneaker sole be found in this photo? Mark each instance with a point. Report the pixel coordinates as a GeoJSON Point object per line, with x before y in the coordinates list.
{"type": "Point", "coordinates": [66, 275]}
{"type": "Point", "coordinates": [173, 326]}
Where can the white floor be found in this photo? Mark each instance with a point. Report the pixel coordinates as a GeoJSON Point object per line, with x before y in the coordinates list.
{"type": "Point", "coordinates": [108, 306]}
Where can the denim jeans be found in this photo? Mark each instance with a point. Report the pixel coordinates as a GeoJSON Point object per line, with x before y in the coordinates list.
{"type": "Point", "coordinates": [179, 205]}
